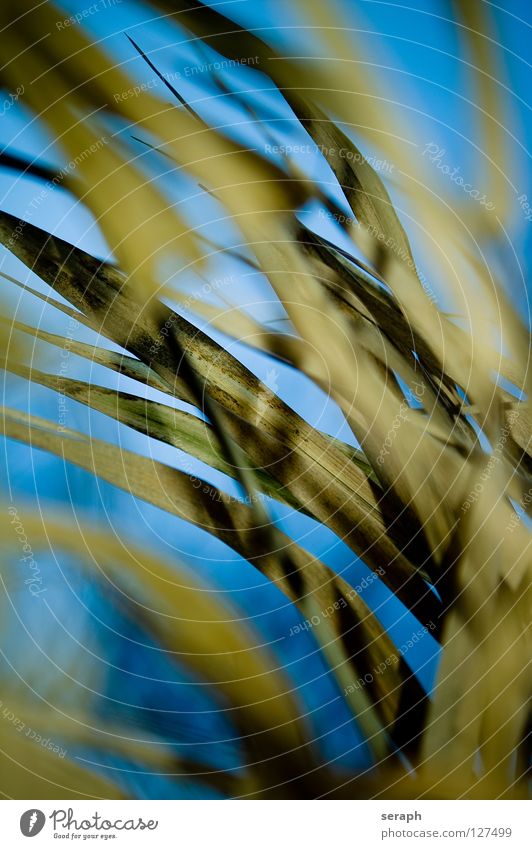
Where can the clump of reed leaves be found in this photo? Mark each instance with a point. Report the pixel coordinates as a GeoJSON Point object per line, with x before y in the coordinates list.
{"type": "Point", "coordinates": [364, 327]}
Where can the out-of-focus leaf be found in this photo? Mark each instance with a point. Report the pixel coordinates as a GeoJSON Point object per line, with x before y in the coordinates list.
{"type": "Point", "coordinates": [31, 771]}
{"type": "Point", "coordinates": [310, 467]}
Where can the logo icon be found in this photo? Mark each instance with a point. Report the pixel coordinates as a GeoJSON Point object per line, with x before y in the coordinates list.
{"type": "Point", "coordinates": [32, 822]}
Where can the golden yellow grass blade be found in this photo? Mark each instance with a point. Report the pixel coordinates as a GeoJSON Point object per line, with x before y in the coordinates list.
{"type": "Point", "coordinates": [493, 121]}
{"type": "Point", "coordinates": [347, 630]}
{"type": "Point", "coordinates": [31, 771]}
{"type": "Point", "coordinates": [481, 703]}
{"type": "Point", "coordinates": [362, 186]}
{"type": "Point", "coordinates": [192, 623]}
{"type": "Point", "coordinates": [137, 370]}
{"type": "Point", "coordinates": [311, 466]}
{"type": "Point", "coordinates": [121, 363]}
{"type": "Point", "coordinates": [73, 725]}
